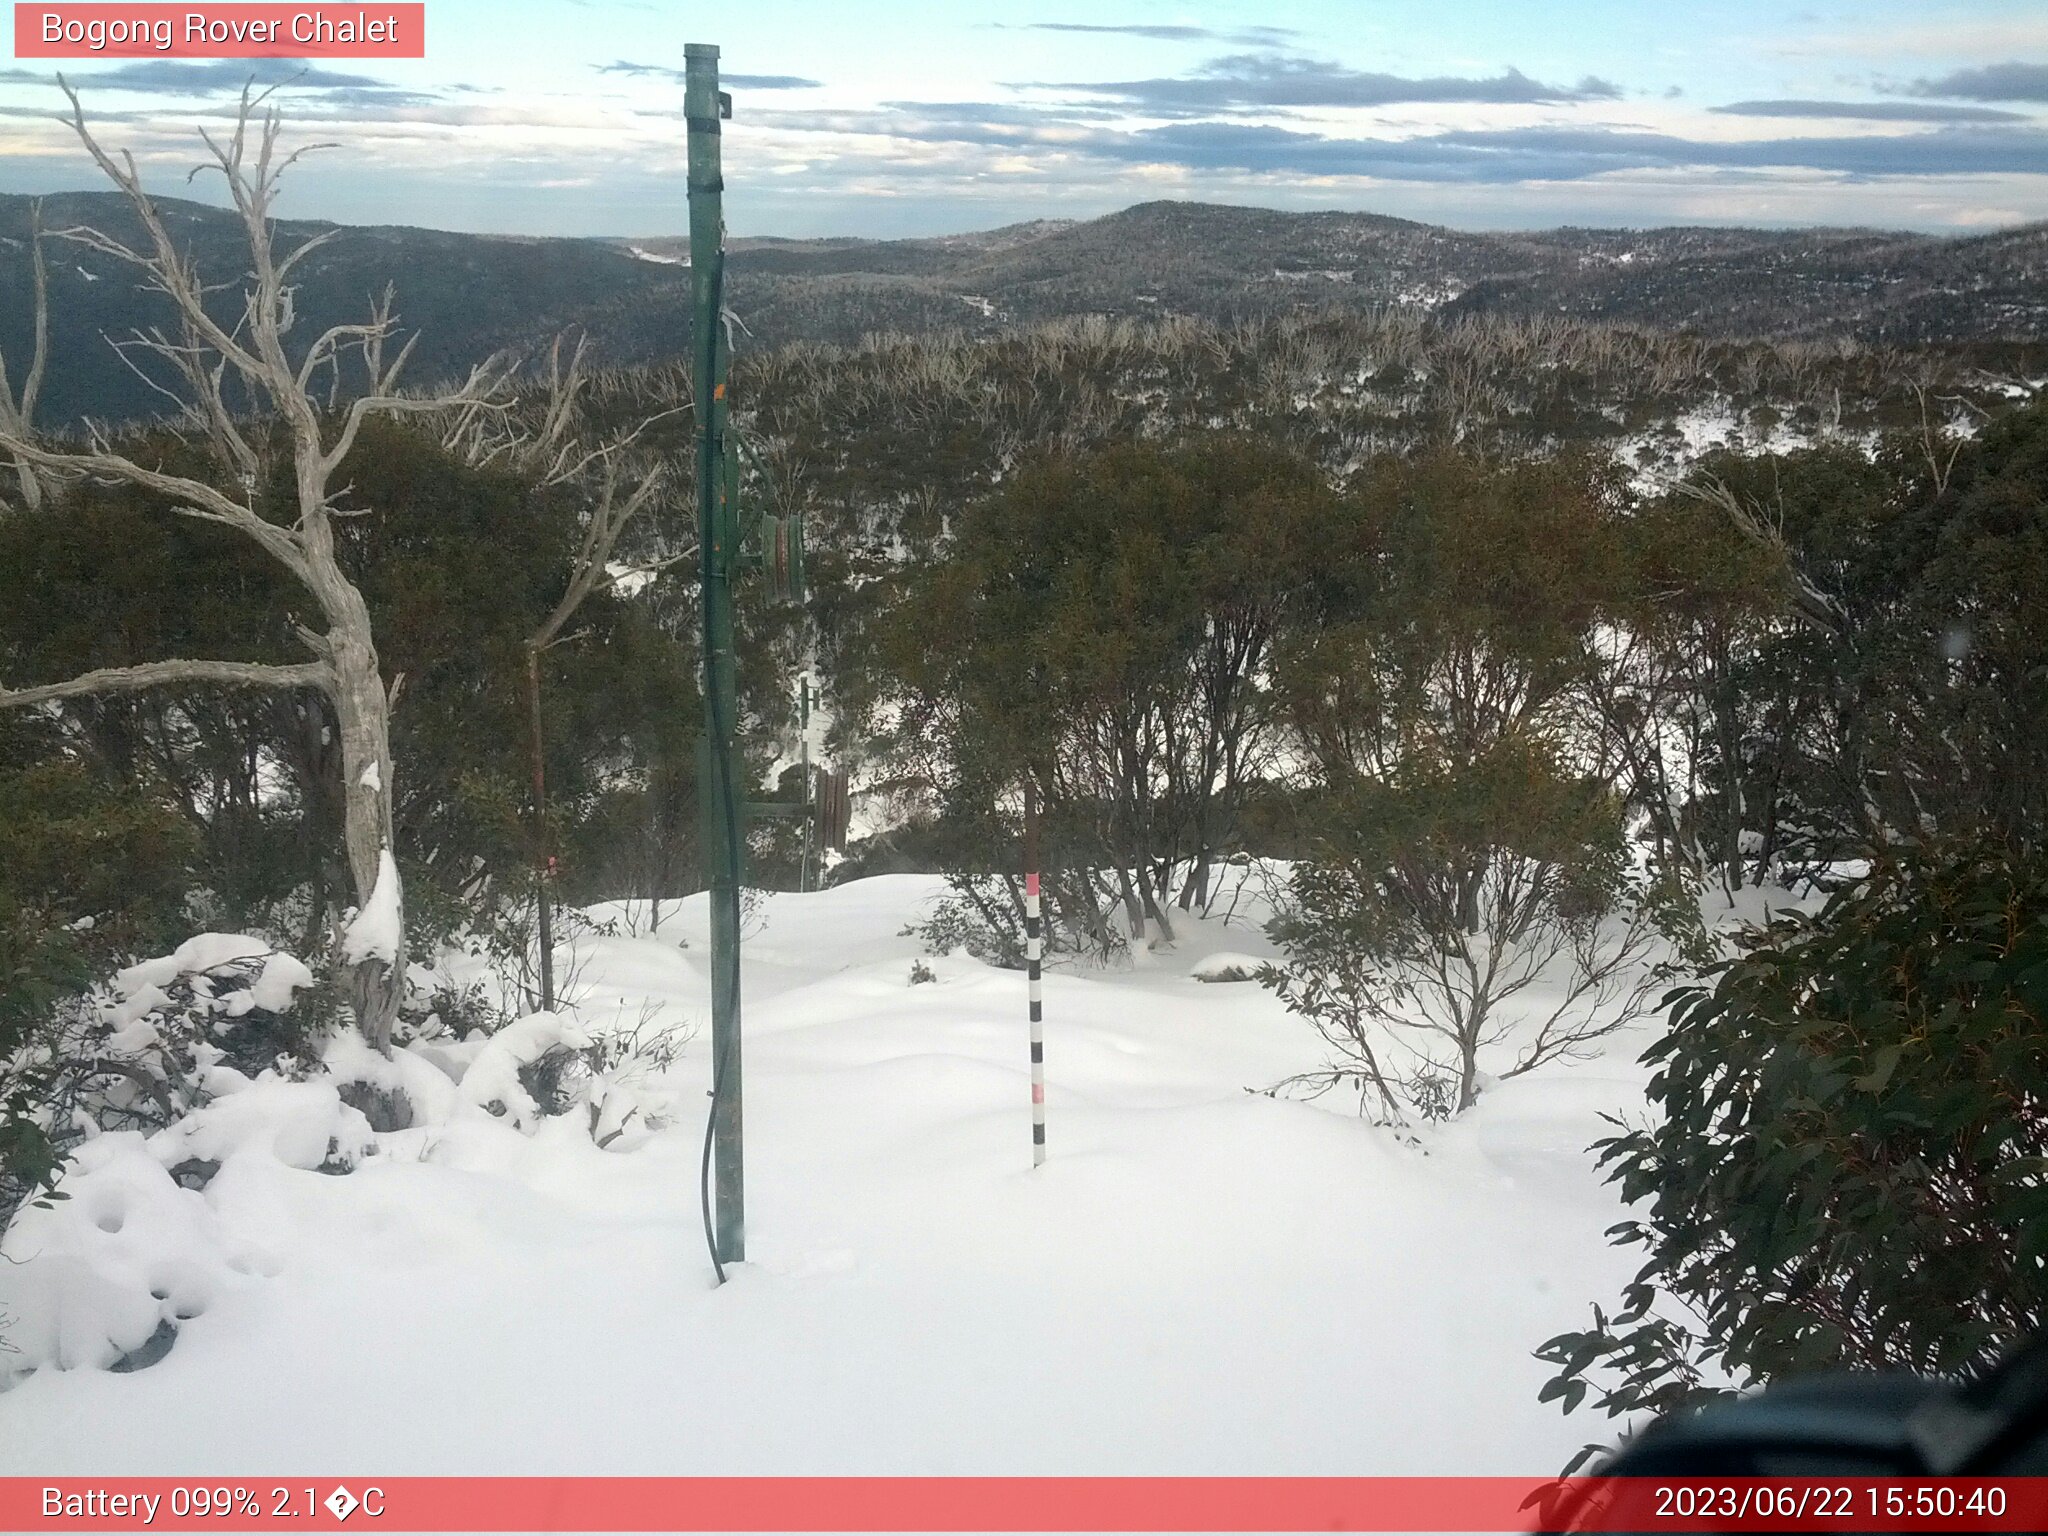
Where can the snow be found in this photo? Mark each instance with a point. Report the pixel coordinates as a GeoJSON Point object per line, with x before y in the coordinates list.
{"type": "Point", "coordinates": [281, 976]}
{"type": "Point", "coordinates": [1664, 454]}
{"type": "Point", "coordinates": [94, 1276]}
{"type": "Point", "coordinates": [1200, 1280]}
{"type": "Point", "coordinates": [376, 932]}
{"type": "Point", "coordinates": [1227, 965]}
{"type": "Point", "coordinates": [371, 778]}
{"type": "Point", "coordinates": [492, 1081]}
{"type": "Point", "coordinates": [139, 989]}
{"type": "Point", "coordinates": [196, 956]}
{"type": "Point", "coordinates": [300, 1125]}
{"type": "Point", "coordinates": [627, 580]}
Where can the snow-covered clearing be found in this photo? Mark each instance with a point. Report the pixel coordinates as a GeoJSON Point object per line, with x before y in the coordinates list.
{"type": "Point", "coordinates": [1199, 1280]}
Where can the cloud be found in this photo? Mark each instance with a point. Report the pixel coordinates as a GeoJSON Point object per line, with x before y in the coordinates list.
{"type": "Point", "coordinates": [170, 77]}
{"type": "Point", "coordinates": [740, 82]}
{"type": "Point", "coordinates": [1560, 153]}
{"type": "Point", "coordinates": [1990, 82]}
{"type": "Point", "coordinates": [993, 112]}
{"type": "Point", "coordinates": [1254, 37]}
{"type": "Point", "coordinates": [1872, 111]}
{"type": "Point", "coordinates": [1269, 80]}
{"type": "Point", "coordinates": [1464, 157]}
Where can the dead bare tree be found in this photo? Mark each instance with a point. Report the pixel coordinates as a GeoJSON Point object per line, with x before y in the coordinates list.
{"type": "Point", "coordinates": [218, 364]}
{"type": "Point", "coordinates": [18, 412]}
{"type": "Point", "coordinates": [543, 442]}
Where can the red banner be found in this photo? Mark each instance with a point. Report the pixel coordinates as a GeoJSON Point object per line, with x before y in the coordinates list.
{"type": "Point", "coordinates": [972, 1504]}
{"type": "Point", "coordinates": [111, 31]}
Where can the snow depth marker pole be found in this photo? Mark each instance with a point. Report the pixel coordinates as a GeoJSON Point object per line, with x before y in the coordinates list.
{"type": "Point", "coordinates": [1034, 951]}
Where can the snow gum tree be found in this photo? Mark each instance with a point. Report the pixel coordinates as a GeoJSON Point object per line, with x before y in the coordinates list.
{"type": "Point", "coordinates": [1104, 622]}
{"type": "Point", "coordinates": [1462, 851]}
{"type": "Point", "coordinates": [229, 375]}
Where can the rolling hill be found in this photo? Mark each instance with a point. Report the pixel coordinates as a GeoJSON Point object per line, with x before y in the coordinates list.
{"type": "Point", "coordinates": [470, 295]}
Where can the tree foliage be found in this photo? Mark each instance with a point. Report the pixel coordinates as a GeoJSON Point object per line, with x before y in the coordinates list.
{"type": "Point", "coordinates": [1849, 1162]}
{"type": "Point", "coordinates": [1459, 852]}
{"type": "Point", "coordinates": [1103, 623]}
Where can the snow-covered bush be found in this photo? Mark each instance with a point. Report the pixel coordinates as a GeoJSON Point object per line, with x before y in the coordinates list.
{"type": "Point", "coordinates": [219, 1000]}
{"type": "Point", "coordinates": [984, 915]}
{"type": "Point", "coordinates": [978, 918]}
{"type": "Point", "coordinates": [161, 1039]}
{"type": "Point", "coordinates": [545, 1064]}
{"type": "Point", "coordinates": [191, 1079]}
{"type": "Point", "coordinates": [1226, 966]}
{"type": "Point", "coordinates": [626, 1103]}
{"type": "Point", "coordinates": [529, 1069]}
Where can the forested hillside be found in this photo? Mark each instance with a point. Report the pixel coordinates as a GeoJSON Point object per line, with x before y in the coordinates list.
{"type": "Point", "coordinates": [469, 295]}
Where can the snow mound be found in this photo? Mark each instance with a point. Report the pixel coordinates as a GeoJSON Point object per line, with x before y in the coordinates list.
{"type": "Point", "coordinates": [93, 1279]}
{"type": "Point", "coordinates": [1227, 965]}
{"type": "Point", "coordinates": [302, 1125]}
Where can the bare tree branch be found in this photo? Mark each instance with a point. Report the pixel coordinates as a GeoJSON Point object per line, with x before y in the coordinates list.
{"type": "Point", "coordinates": [161, 674]}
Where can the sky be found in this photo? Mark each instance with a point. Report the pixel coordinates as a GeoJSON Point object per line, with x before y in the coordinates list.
{"type": "Point", "coordinates": [889, 118]}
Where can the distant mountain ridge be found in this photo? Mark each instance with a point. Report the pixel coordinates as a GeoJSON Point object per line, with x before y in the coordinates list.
{"type": "Point", "coordinates": [472, 294]}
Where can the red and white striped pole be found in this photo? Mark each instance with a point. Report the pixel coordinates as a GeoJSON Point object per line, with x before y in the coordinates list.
{"type": "Point", "coordinates": [1034, 954]}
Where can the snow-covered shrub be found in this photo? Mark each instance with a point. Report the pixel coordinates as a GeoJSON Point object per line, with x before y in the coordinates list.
{"type": "Point", "coordinates": [984, 915]}
{"type": "Point", "coordinates": [625, 1103]}
{"type": "Point", "coordinates": [220, 999]}
{"type": "Point", "coordinates": [102, 1279]}
{"type": "Point", "coordinates": [1227, 966]}
{"type": "Point", "coordinates": [164, 1037]}
{"type": "Point", "coordinates": [409, 1087]}
{"type": "Point", "coordinates": [300, 1124]}
{"type": "Point", "coordinates": [977, 917]}
{"type": "Point", "coordinates": [528, 1069]}
{"type": "Point", "coordinates": [545, 1065]}
{"type": "Point", "coordinates": [455, 1011]}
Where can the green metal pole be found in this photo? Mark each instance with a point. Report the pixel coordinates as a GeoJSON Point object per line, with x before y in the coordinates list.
{"type": "Point", "coordinates": [717, 525]}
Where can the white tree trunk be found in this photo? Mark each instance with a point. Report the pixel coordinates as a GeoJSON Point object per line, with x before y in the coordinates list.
{"type": "Point", "coordinates": [363, 709]}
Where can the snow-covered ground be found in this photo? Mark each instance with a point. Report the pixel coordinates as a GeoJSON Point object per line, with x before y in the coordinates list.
{"type": "Point", "coordinates": [1199, 1280]}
